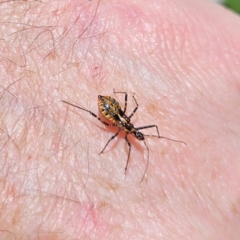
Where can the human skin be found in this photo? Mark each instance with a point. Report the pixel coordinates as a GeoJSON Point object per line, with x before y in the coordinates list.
{"type": "Point", "coordinates": [182, 61]}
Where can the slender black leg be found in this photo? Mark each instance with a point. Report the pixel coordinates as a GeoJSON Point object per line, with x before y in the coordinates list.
{"type": "Point", "coordinates": [129, 151]}
{"type": "Point", "coordinates": [136, 108]}
{"type": "Point", "coordinates": [147, 161]}
{"type": "Point", "coordinates": [93, 114]}
{"type": "Point", "coordinates": [158, 135]}
{"type": "Point", "coordinates": [149, 126]}
{"type": "Point", "coordinates": [126, 96]}
{"type": "Point", "coordinates": [110, 141]}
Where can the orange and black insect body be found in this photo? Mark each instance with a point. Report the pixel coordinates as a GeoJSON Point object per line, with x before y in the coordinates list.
{"type": "Point", "coordinates": [111, 110]}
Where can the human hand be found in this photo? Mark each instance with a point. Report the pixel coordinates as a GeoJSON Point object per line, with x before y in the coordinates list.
{"type": "Point", "coordinates": [181, 59]}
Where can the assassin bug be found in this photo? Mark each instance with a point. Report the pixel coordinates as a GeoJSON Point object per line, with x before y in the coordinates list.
{"type": "Point", "coordinates": [111, 110]}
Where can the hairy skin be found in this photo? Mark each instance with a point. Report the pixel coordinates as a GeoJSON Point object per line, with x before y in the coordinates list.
{"type": "Point", "coordinates": [182, 61]}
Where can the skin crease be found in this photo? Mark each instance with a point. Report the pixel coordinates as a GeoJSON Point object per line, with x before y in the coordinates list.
{"type": "Point", "coordinates": [182, 61]}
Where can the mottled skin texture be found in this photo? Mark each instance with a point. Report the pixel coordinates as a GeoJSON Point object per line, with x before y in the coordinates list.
{"type": "Point", "coordinates": [180, 58]}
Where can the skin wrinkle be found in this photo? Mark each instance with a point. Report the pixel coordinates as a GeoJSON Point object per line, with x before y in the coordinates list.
{"type": "Point", "coordinates": [49, 190]}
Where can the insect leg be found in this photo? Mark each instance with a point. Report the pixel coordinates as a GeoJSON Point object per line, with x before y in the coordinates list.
{"type": "Point", "coordinates": [149, 126]}
{"type": "Point", "coordinates": [136, 108]}
{"type": "Point", "coordinates": [110, 141]}
{"type": "Point", "coordinates": [158, 135]}
{"type": "Point", "coordinates": [129, 151]}
{"type": "Point", "coordinates": [126, 96]}
{"type": "Point", "coordinates": [147, 161]}
{"type": "Point", "coordinates": [93, 114]}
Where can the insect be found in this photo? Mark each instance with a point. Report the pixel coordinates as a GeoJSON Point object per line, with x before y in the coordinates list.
{"type": "Point", "coordinates": [111, 110]}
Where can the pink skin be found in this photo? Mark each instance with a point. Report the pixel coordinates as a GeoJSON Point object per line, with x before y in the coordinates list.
{"type": "Point", "coordinates": [182, 61]}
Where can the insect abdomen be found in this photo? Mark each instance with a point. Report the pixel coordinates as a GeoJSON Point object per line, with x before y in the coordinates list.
{"type": "Point", "coordinates": [109, 108]}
